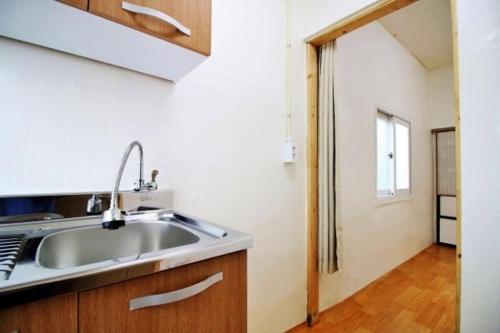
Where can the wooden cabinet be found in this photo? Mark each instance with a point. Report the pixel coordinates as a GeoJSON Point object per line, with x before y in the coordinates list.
{"type": "Point", "coordinates": [82, 4]}
{"type": "Point", "coordinates": [193, 14]}
{"type": "Point", "coordinates": [129, 38]}
{"type": "Point", "coordinates": [219, 308]}
{"type": "Point", "coordinates": [194, 305]}
{"type": "Point", "coordinates": [52, 315]}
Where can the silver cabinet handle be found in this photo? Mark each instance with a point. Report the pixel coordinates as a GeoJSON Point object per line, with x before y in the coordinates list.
{"type": "Point", "coordinates": [174, 296]}
{"type": "Point", "coordinates": [156, 13]}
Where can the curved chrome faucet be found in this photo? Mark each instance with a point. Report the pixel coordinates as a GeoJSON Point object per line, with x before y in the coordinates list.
{"type": "Point", "coordinates": [114, 218]}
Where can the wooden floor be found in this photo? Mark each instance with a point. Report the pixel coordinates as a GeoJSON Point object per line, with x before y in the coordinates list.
{"type": "Point", "coordinates": [418, 296]}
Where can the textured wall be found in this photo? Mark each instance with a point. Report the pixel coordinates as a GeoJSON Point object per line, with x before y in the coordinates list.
{"type": "Point", "coordinates": [441, 97]}
{"type": "Point", "coordinates": [479, 70]}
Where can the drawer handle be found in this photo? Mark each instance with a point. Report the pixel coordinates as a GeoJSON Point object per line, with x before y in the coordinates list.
{"type": "Point", "coordinates": [156, 13]}
{"type": "Point", "coordinates": [174, 296]}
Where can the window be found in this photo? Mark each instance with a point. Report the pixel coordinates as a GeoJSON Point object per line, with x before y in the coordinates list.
{"type": "Point", "coordinates": [393, 155]}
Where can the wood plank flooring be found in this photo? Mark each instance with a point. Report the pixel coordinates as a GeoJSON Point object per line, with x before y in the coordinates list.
{"type": "Point", "coordinates": [417, 296]}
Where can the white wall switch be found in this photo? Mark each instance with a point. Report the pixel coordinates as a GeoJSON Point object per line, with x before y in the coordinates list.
{"type": "Point", "coordinates": [289, 151]}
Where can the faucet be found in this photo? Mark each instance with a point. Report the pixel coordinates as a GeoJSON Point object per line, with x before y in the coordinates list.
{"type": "Point", "coordinates": [94, 205]}
{"type": "Point", "coordinates": [114, 218]}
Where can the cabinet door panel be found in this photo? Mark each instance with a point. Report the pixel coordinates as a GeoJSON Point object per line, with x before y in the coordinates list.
{"type": "Point", "coordinates": [194, 14]}
{"type": "Point", "coordinates": [219, 308]}
{"type": "Point", "coordinates": [52, 315]}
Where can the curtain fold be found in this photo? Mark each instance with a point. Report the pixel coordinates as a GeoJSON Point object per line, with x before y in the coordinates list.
{"type": "Point", "coordinates": [328, 259]}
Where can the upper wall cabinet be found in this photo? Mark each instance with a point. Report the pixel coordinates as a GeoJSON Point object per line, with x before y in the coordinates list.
{"type": "Point", "coordinates": [183, 22]}
{"type": "Point", "coordinates": [163, 38]}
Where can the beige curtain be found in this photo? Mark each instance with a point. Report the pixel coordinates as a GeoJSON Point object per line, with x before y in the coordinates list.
{"type": "Point", "coordinates": [326, 167]}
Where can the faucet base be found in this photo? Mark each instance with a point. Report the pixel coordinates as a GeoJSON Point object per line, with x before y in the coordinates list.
{"type": "Point", "coordinates": [113, 219]}
{"type": "Point", "coordinates": [113, 225]}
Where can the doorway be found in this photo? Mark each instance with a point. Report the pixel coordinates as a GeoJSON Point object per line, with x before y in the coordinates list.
{"type": "Point", "coordinates": [313, 46]}
{"type": "Point", "coordinates": [445, 175]}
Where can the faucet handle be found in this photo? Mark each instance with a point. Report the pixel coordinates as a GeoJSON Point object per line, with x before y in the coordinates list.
{"type": "Point", "coordinates": [153, 185]}
{"type": "Point", "coordinates": [141, 185]}
{"type": "Point", "coordinates": [154, 173]}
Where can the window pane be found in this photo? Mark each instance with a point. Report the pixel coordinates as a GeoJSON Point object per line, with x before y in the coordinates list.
{"type": "Point", "coordinates": [402, 157]}
{"type": "Point", "coordinates": [383, 177]}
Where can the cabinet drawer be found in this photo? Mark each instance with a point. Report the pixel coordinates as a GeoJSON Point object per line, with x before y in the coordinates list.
{"type": "Point", "coordinates": [221, 307]}
{"type": "Point", "coordinates": [193, 14]}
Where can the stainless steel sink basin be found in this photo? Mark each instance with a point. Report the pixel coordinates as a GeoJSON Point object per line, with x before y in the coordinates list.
{"type": "Point", "coordinates": [77, 247]}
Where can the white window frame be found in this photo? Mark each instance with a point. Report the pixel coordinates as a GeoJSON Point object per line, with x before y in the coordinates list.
{"type": "Point", "coordinates": [405, 123]}
{"type": "Point", "coordinates": [382, 193]}
{"type": "Point", "coordinates": [392, 120]}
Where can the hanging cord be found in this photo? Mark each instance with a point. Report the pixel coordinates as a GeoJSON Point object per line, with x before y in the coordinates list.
{"type": "Point", "coordinates": [288, 111]}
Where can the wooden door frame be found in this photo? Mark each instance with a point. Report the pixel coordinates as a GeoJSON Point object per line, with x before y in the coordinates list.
{"type": "Point", "coordinates": [342, 27]}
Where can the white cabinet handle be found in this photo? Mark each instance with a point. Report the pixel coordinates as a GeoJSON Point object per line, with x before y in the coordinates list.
{"type": "Point", "coordinates": [156, 13]}
{"type": "Point", "coordinates": [174, 296]}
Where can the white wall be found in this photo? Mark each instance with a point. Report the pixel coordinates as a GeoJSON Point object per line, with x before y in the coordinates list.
{"type": "Point", "coordinates": [441, 97]}
{"type": "Point", "coordinates": [216, 137]}
{"type": "Point", "coordinates": [372, 69]}
{"type": "Point", "coordinates": [479, 72]}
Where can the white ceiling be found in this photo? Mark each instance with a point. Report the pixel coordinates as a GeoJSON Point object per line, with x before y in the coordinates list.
{"type": "Point", "coordinates": [424, 28]}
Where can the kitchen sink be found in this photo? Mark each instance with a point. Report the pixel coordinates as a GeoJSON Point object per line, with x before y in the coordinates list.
{"type": "Point", "coordinates": [89, 245]}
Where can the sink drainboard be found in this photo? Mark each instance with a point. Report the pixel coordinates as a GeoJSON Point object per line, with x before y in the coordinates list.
{"type": "Point", "coordinates": [11, 248]}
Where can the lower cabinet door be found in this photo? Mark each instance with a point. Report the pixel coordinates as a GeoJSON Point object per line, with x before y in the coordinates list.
{"type": "Point", "coordinates": [51, 315]}
{"type": "Point", "coordinates": [208, 296]}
